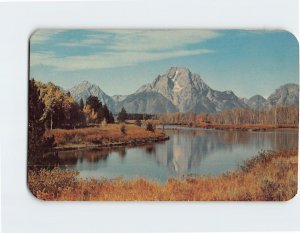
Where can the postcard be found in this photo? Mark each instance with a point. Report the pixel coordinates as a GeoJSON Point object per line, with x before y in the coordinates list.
{"type": "Point", "coordinates": [163, 115]}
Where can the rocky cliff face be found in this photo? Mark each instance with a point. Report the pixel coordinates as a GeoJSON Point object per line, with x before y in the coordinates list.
{"type": "Point", "coordinates": [287, 94]}
{"type": "Point", "coordinates": [86, 89]}
{"type": "Point", "coordinates": [188, 92]}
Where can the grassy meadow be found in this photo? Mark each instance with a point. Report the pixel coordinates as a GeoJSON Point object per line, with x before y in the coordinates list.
{"type": "Point", "coordinates": [270, 176]}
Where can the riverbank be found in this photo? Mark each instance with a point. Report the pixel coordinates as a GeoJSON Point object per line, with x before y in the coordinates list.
{"type": "Point", "coordinates": [269, 176]}
{"type": "Point", "coordinates": [104, 136]}
{"type": "Point", "coordinates": [243, 127]}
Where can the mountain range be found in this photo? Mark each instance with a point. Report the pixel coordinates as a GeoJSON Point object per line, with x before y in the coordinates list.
{"type": "Point", "coordinates": [179, 90]}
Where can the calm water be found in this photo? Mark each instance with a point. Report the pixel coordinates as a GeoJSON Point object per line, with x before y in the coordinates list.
{"type": "Point", "coordinates": [188, 152]}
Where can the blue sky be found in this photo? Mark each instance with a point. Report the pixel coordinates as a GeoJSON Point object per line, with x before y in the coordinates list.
{"type": "Point", "coordinates": [120, 61]}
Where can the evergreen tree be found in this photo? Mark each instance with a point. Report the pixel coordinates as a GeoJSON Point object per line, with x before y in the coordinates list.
{"type": "Point", "coordinates": [81, 104]}
{"type": "Point", "coordinates": [122, 116]}
{"type": "Point", "coordinates": [95, 103]}
{"type": "Point", "coordinates": [111, 118]}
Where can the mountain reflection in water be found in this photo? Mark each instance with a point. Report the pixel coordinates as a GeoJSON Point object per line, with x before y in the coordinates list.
{"type": "Point", "coordinates": [189, 151]}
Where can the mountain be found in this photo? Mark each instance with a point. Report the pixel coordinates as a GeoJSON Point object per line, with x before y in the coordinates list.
{"type": "Point", "coordinates": [148, 102]}
{"type": "Point", "coordinates": [287, 94]}
{"type": "Point", "coordinates": [119, 98]}
{"type": "Point", "coordinates": [188, 92]}
{"type": "Point", "coordinates": [179, 90]}
{"type": "Point", "coordinates": [85, 89]}
{"type": "Point", "coordinates": [257, 102]}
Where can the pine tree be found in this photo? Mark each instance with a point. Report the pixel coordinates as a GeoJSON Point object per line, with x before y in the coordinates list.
{"type": "Point", "coordinates": [122, 116]}
{"type": "Point", "coordinates": [111, 118]}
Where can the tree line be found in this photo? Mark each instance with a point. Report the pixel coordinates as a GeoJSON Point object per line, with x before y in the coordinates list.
{"type": "Point", "coordinates": [277, 115]}
{"type": "Point", "coordinates": [123, 116]}
{"type": "Point", "coordinates": [50, 107]}
{"type": "Point", "coordinates": [62, 111]}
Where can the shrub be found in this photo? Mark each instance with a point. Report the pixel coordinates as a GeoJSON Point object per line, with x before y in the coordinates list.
{"type": "Point", "coordinates": [123, 128]}
{"type": "Point", "coordinates": [271, 191]}
{"type": "Point", "coordinates": [104, 123]}
{"type": "Point", "coordinates": [138, 123]}
{"type": "Point", "coordinates": [150, 127]}
{"type": "Point", "coordinates": [49, 183]}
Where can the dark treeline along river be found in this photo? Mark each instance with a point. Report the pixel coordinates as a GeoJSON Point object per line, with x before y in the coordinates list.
{"type": "Point", "coordinates": [189, 151]}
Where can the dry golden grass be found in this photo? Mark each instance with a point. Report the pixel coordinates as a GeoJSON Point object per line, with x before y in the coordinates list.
{"type": "Point", "coordinates": [271, 176]}
{"type": "Point", "coordinates": [103, 135]}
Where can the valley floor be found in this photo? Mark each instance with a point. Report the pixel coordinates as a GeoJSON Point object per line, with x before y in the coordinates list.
{"type": "Point", "coordinates": [270, 176]}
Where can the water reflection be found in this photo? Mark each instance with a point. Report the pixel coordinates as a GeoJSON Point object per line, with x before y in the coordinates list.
{"type": "Point", "coordinates": [189, 151]}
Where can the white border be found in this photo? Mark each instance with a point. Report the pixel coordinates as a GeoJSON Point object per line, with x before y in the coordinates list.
{"type": "Point", "coordinates": [23, 213]}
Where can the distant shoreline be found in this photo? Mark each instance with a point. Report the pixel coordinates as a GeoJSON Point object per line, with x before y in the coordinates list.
{"type": "Point", "coordinates": [237, 127]}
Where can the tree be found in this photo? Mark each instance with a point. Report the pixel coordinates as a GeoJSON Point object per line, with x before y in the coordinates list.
{"type": "Point", "coordinates": [59, 106]}
{"type": "Point", "coordinates": [90, 114]}
{"type": "Point", "coordinates": [94, 102]}
{"type": "Point", "coordinates": [36, 127]}
{"type": "Point", "coordinates": [81, 104]}
{"type": "Point", "coordinates": [50, 99]}
{"type": "Point", "coordinates": [105, 112]}
{"type": "Point", "coordinates": [111, 118]}
{"type": "Point", "coordinates": [122, 116]}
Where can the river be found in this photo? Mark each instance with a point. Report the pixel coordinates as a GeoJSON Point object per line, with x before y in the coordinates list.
{"type": "Point", "coordinates": [189, 151]}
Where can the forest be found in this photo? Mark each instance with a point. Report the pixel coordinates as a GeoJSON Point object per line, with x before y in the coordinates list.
{"type": "Point", "coordinates": [277, 115]}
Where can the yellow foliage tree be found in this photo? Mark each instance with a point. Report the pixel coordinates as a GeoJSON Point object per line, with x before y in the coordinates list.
{"type": "Point", "coordinates": [89, 113]}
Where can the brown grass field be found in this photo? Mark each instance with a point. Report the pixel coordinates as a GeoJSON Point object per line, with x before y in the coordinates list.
{"type": "Point", "coordinates": [270, 176]}
{"type": "Point", "coordinates": [107, 135]}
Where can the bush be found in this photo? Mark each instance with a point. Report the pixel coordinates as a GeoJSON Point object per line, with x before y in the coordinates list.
{"type": "Point", "coordinates": [123, 128]}
{"type": "Point", "coordinates": [150, 127]}
{"type": "Point", "coordinates": [138, 123]}
{"type": "Point", "coordinates": [48, 142]}
{"type": "Point", "coordinates": [49, 183]}
{"type": "Point", "coordinates": [271, 191]}
{"type": "Point", "coordinates": [104, 122]}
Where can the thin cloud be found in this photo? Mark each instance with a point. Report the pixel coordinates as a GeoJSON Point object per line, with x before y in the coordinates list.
{"type": "Point", "coordinates": [106, 60]}
{"type": "Point", "coordinates": [122, 47]}
{"type": "Point", "coordinates": [89, 40]}
{"type": "Point", "coordinates": [41, 36]}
